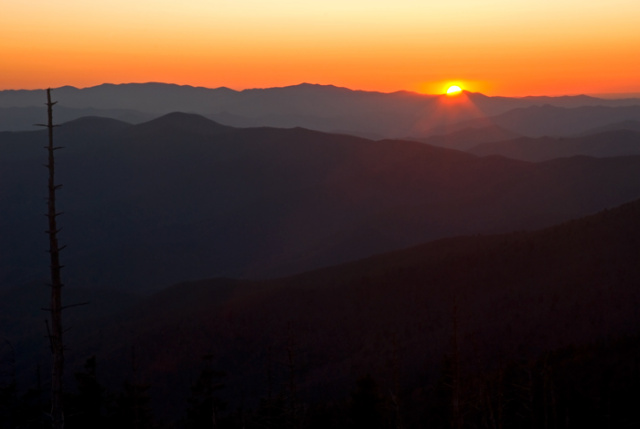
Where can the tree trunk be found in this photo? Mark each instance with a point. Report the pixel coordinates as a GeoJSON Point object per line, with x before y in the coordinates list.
{"type": "Point", "coordinates": [55, 334]}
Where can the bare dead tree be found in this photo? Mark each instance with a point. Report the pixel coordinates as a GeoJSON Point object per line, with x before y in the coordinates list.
{"type": "Point", "coordinates": [55, 329]}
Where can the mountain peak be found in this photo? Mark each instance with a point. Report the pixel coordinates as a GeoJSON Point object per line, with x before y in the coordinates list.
{"type": "Point", "coordinates": [186, 121]}
{"type": "Point", "coordinates": [92, 123]}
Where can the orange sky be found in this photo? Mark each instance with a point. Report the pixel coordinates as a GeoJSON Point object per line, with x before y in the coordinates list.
{"type": "Point", "coordinates": [498, 47]}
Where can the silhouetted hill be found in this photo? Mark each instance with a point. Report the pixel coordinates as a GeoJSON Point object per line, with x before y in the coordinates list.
{"type": "Point", "coordinates": [517, 296]}
{"type": "Point", "coordinates": [96, 124]}
{"type": "Point", "coordinates": [468, 138]}
{"type": "Point", "coordinates": [184, 198]}
{"type": "Point", "coordinates": [178, 122]}
{"type": "Point", "coordinates": [624, 125]}
{"type": "Point", "coordinates": [604, 144]}
{"type": "Point", "coordinates": [548, 120]}
{"type": "Point", "coordinates": [24, 118]}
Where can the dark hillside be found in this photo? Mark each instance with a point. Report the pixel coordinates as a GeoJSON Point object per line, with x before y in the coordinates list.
{"type": "Point", "coordinates": [562, 301]}
{"type": "Point", "coordinates": [182, 198]}
{"type": "Point", "coordinates": [518, 296]}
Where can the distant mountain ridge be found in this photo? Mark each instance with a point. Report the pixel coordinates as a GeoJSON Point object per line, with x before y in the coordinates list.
{"type": "Point", "coordinates": [467, 138]}
{"type": "Point", "coordinates": [603, 144]}
{"type": "Point", "coordinates": [326, 108]}
{"type": "Point", "coordinates": [630, 125]}
{"type": "Point", "coordinates": [553, 121]}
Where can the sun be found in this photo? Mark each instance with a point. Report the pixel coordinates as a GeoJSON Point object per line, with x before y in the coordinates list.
{"type": "Point", "coordinates": [454, 90]}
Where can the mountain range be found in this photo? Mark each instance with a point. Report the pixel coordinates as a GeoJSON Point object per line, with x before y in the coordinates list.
{"type": "Point", "coordinates": [602, 144]}
{"type": "Point", "coordinates": [415, 251]}
{"type": "Point", "coordinates": [324, 108]}
{"type": "Point", "coordinates": [548, 120]}
{"type": "Point", "coordinates": [182, 197]}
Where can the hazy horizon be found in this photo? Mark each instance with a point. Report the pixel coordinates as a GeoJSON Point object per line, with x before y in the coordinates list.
{"type": "Point", "coordinates": [605, 95]}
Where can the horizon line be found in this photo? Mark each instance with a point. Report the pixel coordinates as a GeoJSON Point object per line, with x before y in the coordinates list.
{"type": "Point", "coordinates": [603, 95]}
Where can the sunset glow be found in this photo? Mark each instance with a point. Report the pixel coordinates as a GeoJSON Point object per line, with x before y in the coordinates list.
{"type": "Point", "coordinates": [499, 47]}
{"type": "Point", "coordinates": [454, 90]}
